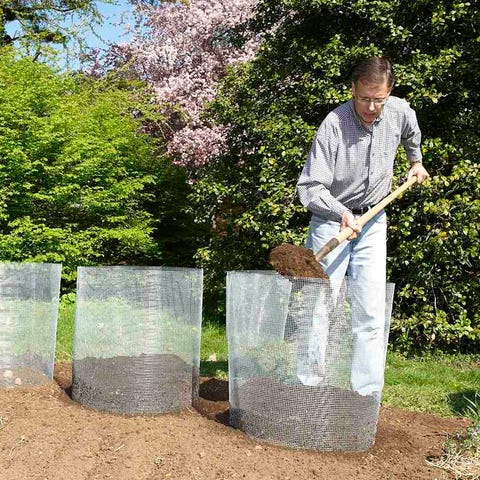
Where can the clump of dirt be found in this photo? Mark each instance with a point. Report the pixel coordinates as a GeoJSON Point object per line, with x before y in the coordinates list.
{"type": "Point", "coordinates": [294, 261]}
{"type": "Point", "coordinates": [213, 400]}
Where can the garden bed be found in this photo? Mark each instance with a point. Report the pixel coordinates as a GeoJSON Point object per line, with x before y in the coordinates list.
{"type": "Point", "coordinates": [45, 435]}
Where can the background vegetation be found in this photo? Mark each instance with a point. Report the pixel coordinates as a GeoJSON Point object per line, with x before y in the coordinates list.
{"type": "Point", "coordinates": [75, 172]}
{"type": "Point", "coordinates": [273, 106]}
{"type": "Point", "coordinates": [102, 166]}
{"type": "Point", "coordinates": [39, 27]}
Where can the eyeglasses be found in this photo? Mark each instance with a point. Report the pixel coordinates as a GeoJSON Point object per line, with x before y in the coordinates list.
{"type": "Point", "coordinates": [377, 101]}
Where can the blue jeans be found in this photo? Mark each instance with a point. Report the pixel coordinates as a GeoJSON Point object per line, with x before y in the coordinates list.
{"type": "Point", "coordinates": [363, 260]}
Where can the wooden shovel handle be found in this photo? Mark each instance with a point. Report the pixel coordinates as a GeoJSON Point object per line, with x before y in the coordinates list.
{"type": "Point", "coordinates": [346, 232]}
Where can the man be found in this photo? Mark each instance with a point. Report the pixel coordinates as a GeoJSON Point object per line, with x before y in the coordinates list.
{"type": "Point", "coordinates": [348, 170]}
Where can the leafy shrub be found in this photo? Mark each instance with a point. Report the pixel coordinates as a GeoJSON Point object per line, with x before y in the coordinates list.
{"type": "Point", "coordinates": [273, 106]}
{"type": "Point", "coordinates": [75, 172]}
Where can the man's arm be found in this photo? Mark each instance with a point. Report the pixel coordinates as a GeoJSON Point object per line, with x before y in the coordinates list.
{"type": "Point", "coordinates": [317, 177]}
{"type": "Point", "coordinates": [411, 138]}
{"type": "Point", "coordinates": [318, 173]}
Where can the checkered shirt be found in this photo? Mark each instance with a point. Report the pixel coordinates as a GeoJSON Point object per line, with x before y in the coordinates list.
{"type": "Point", "coordinates": [349, 165]}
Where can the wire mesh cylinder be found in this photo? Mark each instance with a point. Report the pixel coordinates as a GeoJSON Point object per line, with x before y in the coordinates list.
{"type": "Point", "coordinates": [29, 296]}
{"type": "Point", "coordinates": [137, 338]}
{"type": "Point", "coordinates": [306, 359]}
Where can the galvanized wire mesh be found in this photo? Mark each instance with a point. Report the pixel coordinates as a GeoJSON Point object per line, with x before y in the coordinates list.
{"type": "Point", "coordinates": [301, 372]}
{"type": "Point", "coordinates": [137, 338]}
{"type": "Point", "coordinates": [29, 296]}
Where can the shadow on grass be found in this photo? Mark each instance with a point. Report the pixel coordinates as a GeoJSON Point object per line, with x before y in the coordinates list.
{"type": "Point", "coordinates": [465, 404]}
{"type": "Point", "coordinates": [214, 369]}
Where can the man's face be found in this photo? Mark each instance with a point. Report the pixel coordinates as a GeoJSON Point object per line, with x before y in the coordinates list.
{"type": "Point", "coordinates": [369, 99]}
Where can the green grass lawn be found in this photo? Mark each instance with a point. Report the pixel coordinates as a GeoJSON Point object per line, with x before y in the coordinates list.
{"type": "Point", "coordinates": [65, 325]}
{"type": "Point", "coordinates": [447, 385]}
{"type": "Point", "coordinates": [440, 384]}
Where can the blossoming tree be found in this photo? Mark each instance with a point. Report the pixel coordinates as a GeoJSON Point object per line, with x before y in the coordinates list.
{"type": "Point", "coordinates": [182, 50]}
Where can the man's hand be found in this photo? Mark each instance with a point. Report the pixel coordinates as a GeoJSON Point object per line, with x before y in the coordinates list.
{"type": "Point", "coordinates": [418, 170]}
{"type": "Point", "coordinates": [348, 220]}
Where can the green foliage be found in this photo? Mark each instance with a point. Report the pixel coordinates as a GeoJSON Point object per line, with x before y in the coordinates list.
{"type": "Point", "coordinates": [177, 234]}
{"type": "Point", "coordinates": [434, 237]}
{"type": "Point", "coordinates": [65, 325]}
{"type": "Point", "coordinates": [105, 330]}
{"type": "Point", "coordinates": [274, 105]}
{"type": "Point", "coordinates": [275, 358]}
{"type": "Point", "coordinates": [213, 342]}
{"type": "Point", "coordinates": [471, 406]}
{"type": "Point", "coordinates": [75, 173]}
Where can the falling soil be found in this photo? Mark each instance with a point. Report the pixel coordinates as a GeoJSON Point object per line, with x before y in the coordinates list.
{"type": "Point", "coordinates": [138, 384]}
{"type": "Point", "coordinates": [319, 418]}
{"type": "Point", "coordinates": [44, 435]}
{"type": "Point", "coordinates": [294, 261]}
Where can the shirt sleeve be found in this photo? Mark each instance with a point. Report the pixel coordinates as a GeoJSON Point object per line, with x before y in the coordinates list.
{"type": "Point", "coordinates": [318, 173]}
{"type": "Point", "coordinates": [411, 136]}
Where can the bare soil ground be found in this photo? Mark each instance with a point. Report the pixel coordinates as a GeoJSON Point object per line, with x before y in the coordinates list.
{"type": "Point", "coordinates": [44, 435]}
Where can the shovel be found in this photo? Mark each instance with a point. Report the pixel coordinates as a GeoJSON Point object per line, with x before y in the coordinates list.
{"type": "Point", "coordinates": [295, 261]}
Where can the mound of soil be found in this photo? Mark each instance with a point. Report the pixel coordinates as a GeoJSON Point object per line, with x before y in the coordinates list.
{"type": "Point", "coordinates": [16, 376]}
{"type": "Point", "coordinates": [46, 435]}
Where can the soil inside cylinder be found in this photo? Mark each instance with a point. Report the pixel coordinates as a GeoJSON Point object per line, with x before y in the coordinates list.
{"type": "Point", "coordinates": [320, 418]}
{"type": "Point", "coordinates": [158, 383]}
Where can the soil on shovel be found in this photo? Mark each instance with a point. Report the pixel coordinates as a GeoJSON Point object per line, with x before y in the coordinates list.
{"type": "Point", "coordinates": [156, 383]}
{"type": "Point", "coordinates": [294, 261]}
{"type": "Point", "coordinates": [45, 435]}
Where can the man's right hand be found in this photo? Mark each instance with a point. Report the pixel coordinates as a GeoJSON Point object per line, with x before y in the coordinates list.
{"type": "Point", "coordinates": [419, 171]}
{"type": "Point", "coordinates": [348, 220]}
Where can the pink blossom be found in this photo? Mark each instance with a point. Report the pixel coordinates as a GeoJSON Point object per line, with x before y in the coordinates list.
{"type": "Point", "coordinates": [195, 146]}
{"type": "Point", "coordinates": [182, 51]}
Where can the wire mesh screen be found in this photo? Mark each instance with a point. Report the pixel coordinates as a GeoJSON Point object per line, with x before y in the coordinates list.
{"type": "Point", "coordinates": [29, 296]}
{"type": "Point", "coordinates": [306, 359]}
{"type": "Point", "coordinates": [137, 338]}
